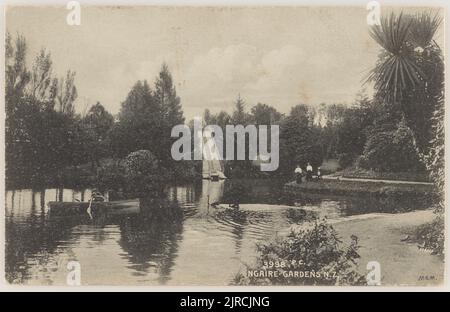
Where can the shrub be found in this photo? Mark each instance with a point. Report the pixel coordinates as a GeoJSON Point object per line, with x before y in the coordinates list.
{"type": "Point", "coordinates": [300, 215]}
{"type": "Point", "coordinates": [316, 250]}
{"type": "Point", "coordinates": [111, 176]}
{"type": "Point", "coordinates": [390, 149]}
{"type": "Point", "coordinates": [431, 236]}
{"type": "Point", "coordinates": [144, 175]}
{"type": "Point", "coordinates": [345, 159]}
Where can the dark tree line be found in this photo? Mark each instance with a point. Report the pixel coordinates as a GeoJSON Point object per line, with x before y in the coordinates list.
{"type": "Point", "coordinates": [369, 134]}
{"type": "Point", "coordinates": [42, 131]}
{"type": "Point", "coordinates": [299, 137]}
{"type": "Point", "coordinates": [49, 144]}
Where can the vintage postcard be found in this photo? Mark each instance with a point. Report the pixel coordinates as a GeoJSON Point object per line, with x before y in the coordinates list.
{"type": "Point", "coordinates": [149, 145]}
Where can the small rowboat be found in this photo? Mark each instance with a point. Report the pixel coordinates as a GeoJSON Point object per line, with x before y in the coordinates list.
{"type": "Point", "coordinates": [130, 206]}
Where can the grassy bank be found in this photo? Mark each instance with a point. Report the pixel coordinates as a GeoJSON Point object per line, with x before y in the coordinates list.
{"type": "Point", "coordinates": [359, 173]}
{"type": "Point", "coordinates": [390, 197]}
{"type": "Point", "coordinates": [382, 237]}
{"type": "Point", "coordinates": [358, 188]}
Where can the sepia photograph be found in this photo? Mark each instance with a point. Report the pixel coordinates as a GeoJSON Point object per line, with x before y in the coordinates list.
{"type": "Point", "coordinates": [152, 145]}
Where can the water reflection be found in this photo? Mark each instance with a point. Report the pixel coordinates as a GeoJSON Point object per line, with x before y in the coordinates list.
{"type": "Point", "coordinates": [29, 231]}
{"type": "Point", "coordinates": [207, 246]}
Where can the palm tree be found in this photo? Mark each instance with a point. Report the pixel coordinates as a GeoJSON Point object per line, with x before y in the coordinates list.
{"type": "Point", "coordinates": [409, 73]}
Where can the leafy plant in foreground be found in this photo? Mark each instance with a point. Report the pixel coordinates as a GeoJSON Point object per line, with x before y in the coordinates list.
{"type": "Point", "coordinates": [311, 255]}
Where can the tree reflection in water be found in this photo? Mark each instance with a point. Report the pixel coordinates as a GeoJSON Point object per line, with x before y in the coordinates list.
{"type": "Point", "coordinates": [151, 237]}
{"type": "Point", "coordinates": [35, 237]}
{"type": "Point", "coordinates": [159, 243]}
{"type": "Point", "coordinates": [32, 231]}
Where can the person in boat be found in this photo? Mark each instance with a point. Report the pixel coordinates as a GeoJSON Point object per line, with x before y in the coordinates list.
{"type": "Point", "coordinates": [298, 174]}
{"type": "Point", "coordinates": [309, 172]}
{"type": "Point", "coordinates": [97, 196]}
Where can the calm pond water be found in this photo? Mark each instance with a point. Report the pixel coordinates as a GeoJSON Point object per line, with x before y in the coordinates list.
{"type": "Point", "coordinates": [208, 247]}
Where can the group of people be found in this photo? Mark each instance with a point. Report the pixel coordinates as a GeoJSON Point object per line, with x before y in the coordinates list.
{"type": "Point", "coordinates": [309, 173]}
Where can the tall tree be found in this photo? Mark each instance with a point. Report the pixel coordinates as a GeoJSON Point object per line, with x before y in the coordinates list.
{"type": "Point", "coordinates": [43, 87]}
{"type": "Point", "coordinates": [263, 114]}
{"type": "Point", "coordinates": [172, 115]}
{"type": "Point", "coordinates": [16, 74]}
{"type": "Point", "coordinates": [166, 94]}
{"type": "Point", "coordinates": [40, 141]}
{"type": "Point", "coordinates": [299, 143]}
{"type": "Point", "coordinates": [351, 132]}
{"type": "Point", "coordinates": [239, 116]}
{"type": "Point", "coordinates": [67, 93]}
{"type": "Point", "coordinates": [223, 119]}
{"type": "Point", "coordinates": [409, 73]}
{"type": "Point", "coordinates": [97, 123]}
{"type": "Point", "coordinates": [208, 118]}
{"type": "Point", "coordinates": [140, 122]}
{"type": "Point", "coordinates": [99, 119]}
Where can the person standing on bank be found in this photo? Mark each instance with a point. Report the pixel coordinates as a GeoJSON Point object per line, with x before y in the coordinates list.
{"type": "Point", "coordinates": [309, 171]}
{"type": "Point", "coordinates": [298, 174]}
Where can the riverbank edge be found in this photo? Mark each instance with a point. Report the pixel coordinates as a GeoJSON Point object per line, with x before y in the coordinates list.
{"type": "Point", "coordinates": [372, 189]}
{"type": "Point", "coordinates": [383, 239]}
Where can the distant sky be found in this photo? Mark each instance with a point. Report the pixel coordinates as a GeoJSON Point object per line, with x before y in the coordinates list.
{"type": "Point", "coordinates": [280, 56]}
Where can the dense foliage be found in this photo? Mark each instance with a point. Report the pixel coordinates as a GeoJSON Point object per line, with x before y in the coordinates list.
{"type": "Point", "coordinates": [315, 250]}
{"type": "Point", "coordinates": [395, 131]}
{"type": "Point", "coordinates": [299, 137]}
{"type": "Point", "coordinates": [391, 150]}
{"type": "Point", "coordinates": [144, 174]}
{"type": "Point", "coordinates": [49, 143]}
{"type": "Point", "coordinates": [431, 236]}
{"type": "Point", "coordinates": [409, 77]}
{"type": "Point", "coordinates": [42, 133]}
